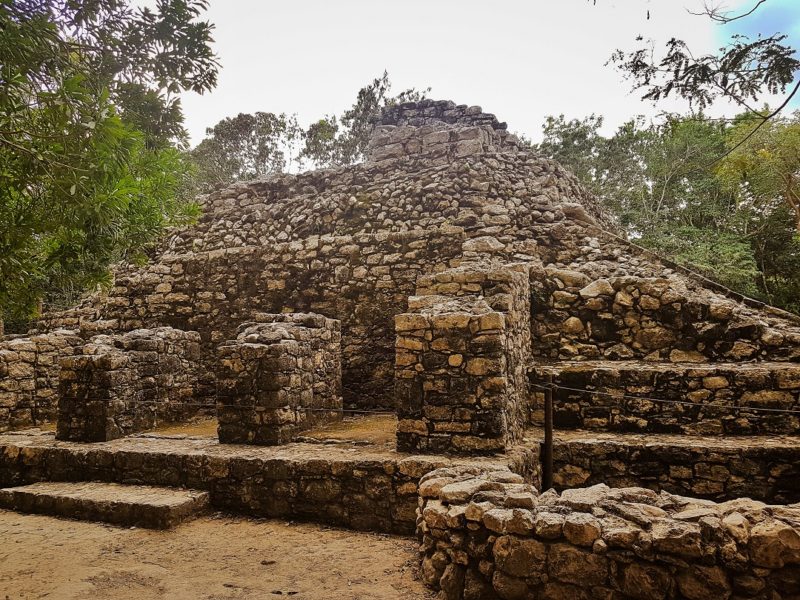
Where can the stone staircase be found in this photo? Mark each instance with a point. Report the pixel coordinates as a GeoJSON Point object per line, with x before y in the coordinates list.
{"type": "Point", "coordinates": [664, 386]}
{"type": "Point", "coordinates": [127, 505]}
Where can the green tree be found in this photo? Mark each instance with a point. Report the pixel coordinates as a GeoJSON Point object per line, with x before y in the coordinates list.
{"type": "Point", "coordinates": [342, 140]}
{"type": "Point", "coordinates": [734, 219]}
{"type": "Point", "coordinates": [81, 186]}
{"type": "Point", "coordinates": [766, 169]}
{"type": "Point", "coordinates": [764, 175]}
{"type": "Point", "coordinates": [742, 71]}
{"type": "Point", "coordinates": [576, 143]}
{"type": "Point", "coordinates": [247, 146]}
{"type": "Point", "coordinates": [656, 181]}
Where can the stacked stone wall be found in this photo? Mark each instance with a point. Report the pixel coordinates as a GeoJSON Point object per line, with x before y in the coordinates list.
{"type": "Point", "coordinates": [29, 377]}
{"type": "Point", "coordinates": [491, 536]}
{"type": "Point", "coordinates": [278, 377]}
{"type": "Point", "coordinates": [440, 131]}
{"type": "Point", "coordinates": [460, 364]}
{"type": "Point", "coordinates": [116, 385]}
{"type": "Point", "coordinates": [511, 196]}
{"type": "Point", "coordinates": [765, 468]}
{"type": "Point", "coordinates": [652, 318]}
{"type": "Point", "coordinates": [363, 281]}
{"type": "Point", "coordinates": [713, 399]}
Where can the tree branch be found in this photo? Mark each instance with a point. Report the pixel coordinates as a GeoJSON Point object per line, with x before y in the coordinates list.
{"type": "Point", "coordinates": [715, 15]}
{"type": "Point", "coordinates": [760, 125]}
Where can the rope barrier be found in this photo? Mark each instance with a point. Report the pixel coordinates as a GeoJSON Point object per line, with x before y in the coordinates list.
{"type": "Point", "coordinates": [666, 401]}
{"type": "Point", "coordinates": [307, 409]}
{"type": "Point", "coordinates": [535, 385]}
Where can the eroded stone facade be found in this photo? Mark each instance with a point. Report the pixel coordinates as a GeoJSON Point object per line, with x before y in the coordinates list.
{"type": "Point", "coordinates": [490, 535]}
{"type": "Point", "coordinates": [116, 385]}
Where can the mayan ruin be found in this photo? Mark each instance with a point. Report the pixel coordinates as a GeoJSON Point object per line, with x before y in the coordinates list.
{"type": "Point", "coordinates": [437, 296]}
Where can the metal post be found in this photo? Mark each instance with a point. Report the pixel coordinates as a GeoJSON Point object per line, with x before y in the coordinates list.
{"type": "Point", "coordinates": [547, 448]}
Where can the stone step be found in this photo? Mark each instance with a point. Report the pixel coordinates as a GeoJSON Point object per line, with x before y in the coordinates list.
{"type": "Point", "coordinates": [129, 505]}
{"type": "Point", "coordinates": [656, 397]}
{"type": "Point", "coordinates": [765, 468]}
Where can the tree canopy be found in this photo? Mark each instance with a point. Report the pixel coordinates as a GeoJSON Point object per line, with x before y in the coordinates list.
{"type": "Point", "coordinates": [734, 219]}
{"type": "Point", "coordinates": [88, 133]}
{"type": "Point", "coordinates": [744, 70]}
{"type": "Point", "coordinates": [342, 140]}
{"type": "Point", "coordinates": [249, 146]}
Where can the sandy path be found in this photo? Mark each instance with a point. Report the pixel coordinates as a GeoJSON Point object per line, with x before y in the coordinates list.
{"type": "Point", "coordinates": [214, 558]}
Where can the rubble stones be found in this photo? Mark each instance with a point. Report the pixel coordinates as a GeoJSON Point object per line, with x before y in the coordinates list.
{"type": "Point", "coordinates": [600, 555]}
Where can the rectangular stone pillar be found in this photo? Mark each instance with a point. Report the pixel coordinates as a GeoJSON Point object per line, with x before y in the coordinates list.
{"type": "Point", "coordinates": [281, 375]}
{"type": "Point", "coordinates": [97, 393]}
{"type": "Point", "coordinates": [461, 354]}
{"type": "Point", "coordinates": [451, 379]}
{"type": "Point", "coordinates": [122, 384]}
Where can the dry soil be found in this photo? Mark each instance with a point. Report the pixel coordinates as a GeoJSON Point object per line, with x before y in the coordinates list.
{"type": "Point", "coordinates": [212, 558]}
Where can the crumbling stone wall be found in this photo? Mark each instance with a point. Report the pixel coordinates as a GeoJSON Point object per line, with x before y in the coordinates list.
{"type": "Point", "coordinates": [119, 384]}
{"type": "Point", "coordinates": [278, 377]}
{"type": "Point", "coordinates": [29, 377]}
{"type": "Point", "coordinates": [460, 364]}
{"type": "Point", "coordinates": [363, 281]}
{"type": "Point", "coordinates": [713, 399]}
{"type": "Point", "coordinates": [489, 535]}
{"type": "Point", "coordinates": [765, 468]}
{"type": "Point", "coordinates": [657, 319]}
{"type": "Point", "coordinates": [415, 128]}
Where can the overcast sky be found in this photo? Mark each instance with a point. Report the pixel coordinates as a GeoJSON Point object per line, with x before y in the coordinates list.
{"type": "Point", "coordinates": [520, 59]}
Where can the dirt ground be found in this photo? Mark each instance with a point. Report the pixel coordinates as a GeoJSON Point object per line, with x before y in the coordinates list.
{"type": "Point", "coordinates": [212, 558]}
{"type": "Point", "coordinates": [375, 429]}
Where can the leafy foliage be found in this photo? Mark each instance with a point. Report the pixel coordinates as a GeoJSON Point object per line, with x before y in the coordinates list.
{"type": "Point", "coordinates": [342, 140]}
{"type": "Point", "coordinates": [80, 185]}
{"type": "Point", "coordinates": [733, 219]}
{"type": "Point", "coordinates": [741, 71]}
{"type": "Point", "coordinates": [249, 146]}
{"type": "Point", "coordinates": [246, 147]}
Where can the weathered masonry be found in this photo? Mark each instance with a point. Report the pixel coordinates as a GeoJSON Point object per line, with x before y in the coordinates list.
{"type": "Point", "coordinates": [454, 278]}
{"type": "Point", "coordinates": [278, 377]}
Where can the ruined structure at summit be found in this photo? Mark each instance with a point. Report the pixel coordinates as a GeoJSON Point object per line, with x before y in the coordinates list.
{"type": "Point", "coordinates": [452, 278]}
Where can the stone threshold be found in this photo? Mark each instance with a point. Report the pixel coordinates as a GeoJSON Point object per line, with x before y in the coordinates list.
{"type": "Point", "coordinates": [127, 505]}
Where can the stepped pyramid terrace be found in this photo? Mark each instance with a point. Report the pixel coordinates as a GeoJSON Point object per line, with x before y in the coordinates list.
{"type": "Point", "coordinates": [374, 346]}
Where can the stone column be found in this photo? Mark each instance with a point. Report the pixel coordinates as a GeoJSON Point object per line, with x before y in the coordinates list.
{"type": "Point", "coordinates": [451, 383]}
{"type": "Point", "coordinates": [280, 375]}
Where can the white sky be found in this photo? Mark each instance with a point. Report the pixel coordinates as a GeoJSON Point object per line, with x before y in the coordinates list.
{"type": "Point", "coordinates": [520, 59]}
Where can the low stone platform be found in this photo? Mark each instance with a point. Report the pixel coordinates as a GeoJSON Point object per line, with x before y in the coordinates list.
{"type": "Point", "coordinates": [710, 467]}
{"type": "Point", "coordinates": [689, 398]}
{"type": "Point", "coordinates": [129, 505]}
{"type": "Point", "coordinates": [356, 485]}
